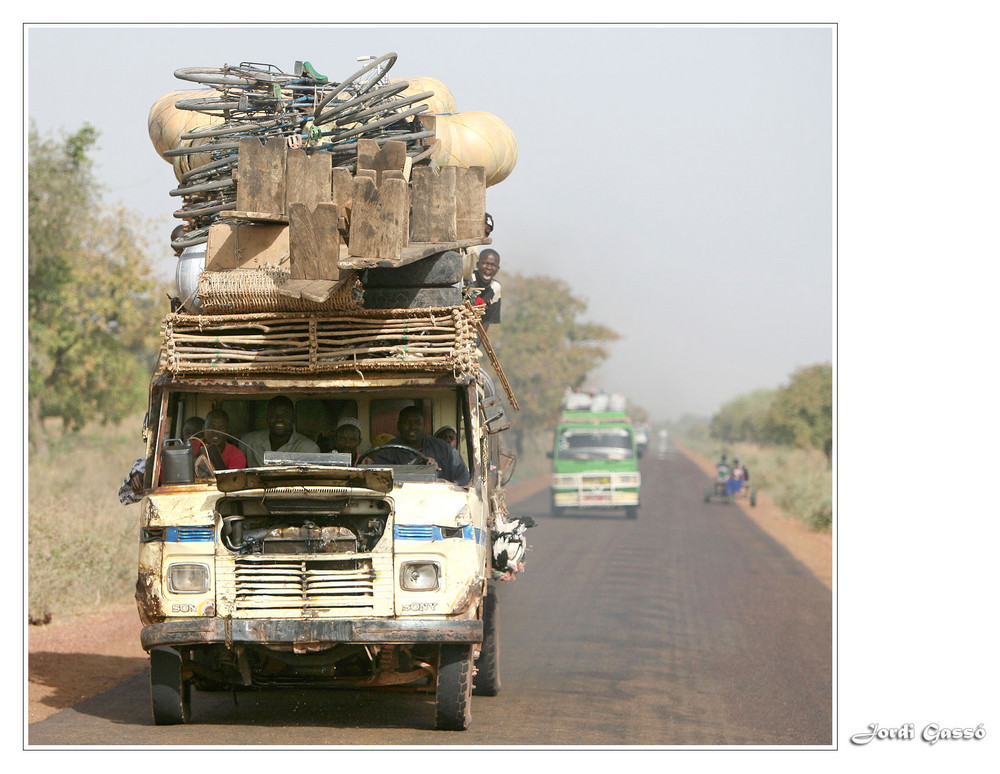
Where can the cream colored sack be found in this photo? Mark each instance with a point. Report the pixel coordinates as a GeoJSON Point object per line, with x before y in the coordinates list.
{"type": "Point", "coordinates": [475, 139]}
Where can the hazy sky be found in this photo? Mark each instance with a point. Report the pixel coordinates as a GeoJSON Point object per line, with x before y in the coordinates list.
{"type": "Point", "coordinates": [680, 179]}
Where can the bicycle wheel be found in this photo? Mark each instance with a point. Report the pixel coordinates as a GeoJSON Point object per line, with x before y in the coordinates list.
{"type": "Point", "coordinates": [243, 75]}
{"type": "Point", "coordinates": [203, 187]}
{"type": "Point", "coordinates": [349, 147]}
{"type": "Point", "coordinates": [208, 147]}
{"type": "Point", "coordinates": [217, 167]}
{"type": "Point", "coordinates": [204, 209]}
{"type": "Point", "coordinates": [289, 121]}
{"type": "Point", "coordinates": [191, 238]}
{"type": "Point", "coordinates": [382, 107]}
{"type": "Point", "coordinates": [382, 122]}
{"type": "Point", "coordinates": [360, 102]}
{"type": "Point", "coordinates": [220, 76]}
{"type": "Point", "coordinates": [207, 104]}
{"type": "Point", "coordinates": [360, 82]}
{"type": "Point", "coordinates": [263, 72]}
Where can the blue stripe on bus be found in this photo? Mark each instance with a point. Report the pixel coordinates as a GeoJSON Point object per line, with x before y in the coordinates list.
{"type": "Point", "coordinates": [432, 532]}
{"type": "Point", "coordinates": [190, 534]}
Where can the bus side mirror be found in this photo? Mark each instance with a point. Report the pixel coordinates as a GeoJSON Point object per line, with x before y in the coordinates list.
{"type": "Point", "coordinates": [549, 454]}
{"type": "Point", "coordinates": [496, 416]}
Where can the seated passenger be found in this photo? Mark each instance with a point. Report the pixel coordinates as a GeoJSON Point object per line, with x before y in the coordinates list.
{"type": "Point", "coordinates": [222, 454]}
{"type": "Point", "coordinates": [191, 426]}
{"type": "Point", "coordinates": [447, 433]}
{"type": "Point", "coordinates": [441, 454]}
{"type": "Point", "coordinates": [347, 438]}
{"type": "Point", "coordinates": [280, 434]}
{"type": "Point", "coordinates": [738, 476]}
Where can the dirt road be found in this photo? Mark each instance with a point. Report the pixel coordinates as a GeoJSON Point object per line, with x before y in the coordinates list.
{"type": "Point", "coordinates": [70, 662]}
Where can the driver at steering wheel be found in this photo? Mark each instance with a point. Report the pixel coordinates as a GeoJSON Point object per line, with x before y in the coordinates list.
{"type": "Point", "coordinates": [222, 454]}
{"type": "Point", "coordinates": [441, 454]}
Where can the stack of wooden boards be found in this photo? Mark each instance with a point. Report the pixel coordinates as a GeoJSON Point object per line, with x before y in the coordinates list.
{"type": "Point", "coordinates": [309, 236]}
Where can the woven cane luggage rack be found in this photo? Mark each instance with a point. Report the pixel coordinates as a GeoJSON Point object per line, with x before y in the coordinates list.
{"type": "Point", "coordinates": [438, 339]}
{"type": "Point", "coordinates": [267, 290]}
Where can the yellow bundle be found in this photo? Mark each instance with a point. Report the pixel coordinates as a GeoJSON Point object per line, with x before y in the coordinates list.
{"type": "Point", "coordinates": [167, 124]}
{"type": "Point", "coordinates": [442, 102]}
{"type": "Point", "coordinates": [475, 139]}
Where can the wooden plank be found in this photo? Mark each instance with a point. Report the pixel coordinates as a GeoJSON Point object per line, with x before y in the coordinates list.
{"type": "Point", "coordinates": [245, 246]}
{"type": "Point", "coordinates": [313, 290]}
{"type": "Point", "coordinates": [367, 151]}
{"type": "Point", "coordinates": [342, 194]}
{"type": "Point", "coordinates": [314, 241]}
{"type": "Point", "coordinates": [261, 186]}
{"type": "Point", "coordinates": [414, 251]}
{"type": "Point", "coordinates": [318, 290]}
{"type": "Point", "coordinates": [220, 250]}
{"type": "Point", "coordinates": [390, 156]}
{"type": "Point", "coordinates": [260, 245]}
{"type": "Point", "coordinates": [379, 219]}
{"type": "Point", "coordinates": [433, 205]}
{"type": "Point", "coordinates": [261, 217]}
{"type": "Point", "coordinates": [403, 185]}
{"type": "Point", "coordinates": [307, 177]}
{"type": "Point", "coordinates": [342, 187]}
{"type": "Point", "coordinates": [470, 203]}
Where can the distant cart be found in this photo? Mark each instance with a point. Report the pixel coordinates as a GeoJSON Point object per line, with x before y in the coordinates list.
{"type": "Point", "coordinates": [723, 489]}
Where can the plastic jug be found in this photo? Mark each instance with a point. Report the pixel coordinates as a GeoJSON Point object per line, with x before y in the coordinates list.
{"type": "Point", "coordinates": [178, 462]}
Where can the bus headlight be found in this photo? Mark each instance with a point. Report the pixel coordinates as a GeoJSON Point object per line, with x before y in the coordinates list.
{"type": "Point", "coordinates": [188, 578]}
{"type": "Point", "coordinates": [419, 576]}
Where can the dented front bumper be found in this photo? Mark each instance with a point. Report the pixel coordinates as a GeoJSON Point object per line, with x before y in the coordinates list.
{"type": "Point", "coordinates": [276, 632]}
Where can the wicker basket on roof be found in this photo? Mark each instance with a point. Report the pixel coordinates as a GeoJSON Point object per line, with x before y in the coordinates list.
{"type": "Point", "coordinates": [433, 339]}
{"type": "Point", "coordinates": [261, 290]}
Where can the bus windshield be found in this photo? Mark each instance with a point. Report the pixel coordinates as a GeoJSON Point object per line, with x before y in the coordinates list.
{"type": "Point", "coordinates": [596, 443]}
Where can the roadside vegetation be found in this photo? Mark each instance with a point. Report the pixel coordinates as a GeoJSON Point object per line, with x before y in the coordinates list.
{"type": "Point", "coordinates": [93, 307]}
{"type": "Point", "coordinates": [82, 542]}
{"type": "Point", "coordinates": [784, 436]}
{"type": "Point", "coordinates": [93, 300]}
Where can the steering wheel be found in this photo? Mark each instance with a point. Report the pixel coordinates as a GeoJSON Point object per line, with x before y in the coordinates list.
{"type": "Point", "coordinates": [419, 458]}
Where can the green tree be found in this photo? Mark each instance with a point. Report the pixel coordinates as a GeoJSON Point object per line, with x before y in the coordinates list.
{"type": "Point", "coordinates": [93, 302]}
{"type": "Point", "coordinates": [802, 414]}
{"type": "Point", "coordinates": [544, 346]}
{"type": "Point", "coordinates": [744, 418]}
